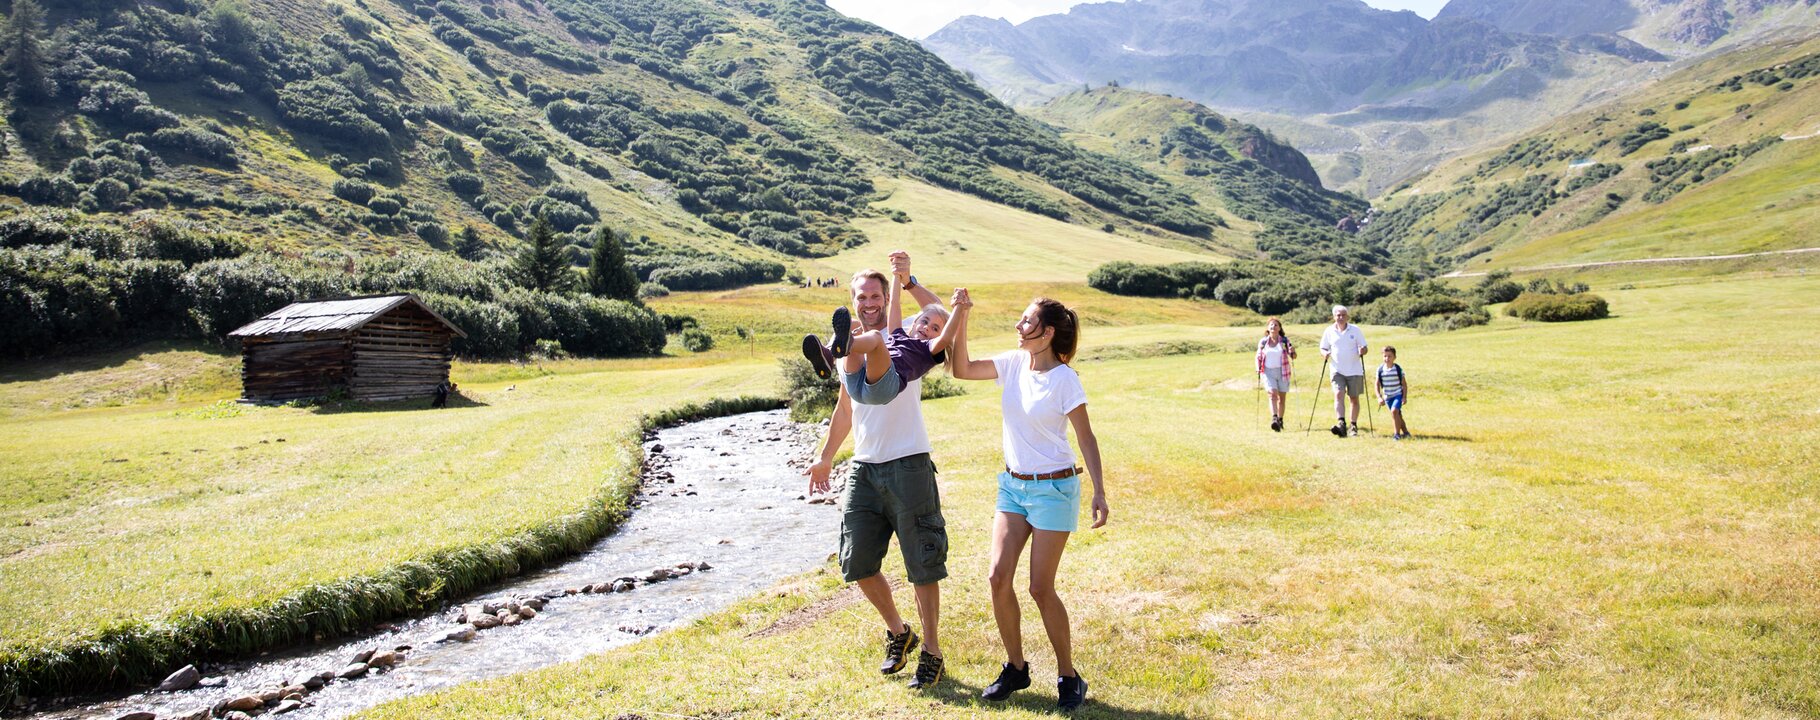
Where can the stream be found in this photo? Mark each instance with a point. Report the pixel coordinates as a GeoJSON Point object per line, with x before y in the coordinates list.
{"type": "Point", "coordinates": [724, 491]}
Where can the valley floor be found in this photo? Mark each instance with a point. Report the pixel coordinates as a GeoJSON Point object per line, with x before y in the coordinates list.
{"type": "Point", "coordinates": [1615, 518]}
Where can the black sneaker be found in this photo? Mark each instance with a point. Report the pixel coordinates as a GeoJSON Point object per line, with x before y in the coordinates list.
{"type": "Point", "coordinates": [1338, 429]}
{"type": "Point", "coordinates": [1355, 429]}
{"type": "Point", "coordinates": [1070, 692]}
{"type": "Point", "coordinates": [1276, 425]}
{"type": "Point", "coordinates": [819, 357]}
{"type": "Point", "coordinates": [897, 650]}
{"type": "Point", "coordinates": [1009, 680]}
{"type": "Point", "coordinates": [843, 332]}
{"type": "Point", "coordinates": [928, 671]}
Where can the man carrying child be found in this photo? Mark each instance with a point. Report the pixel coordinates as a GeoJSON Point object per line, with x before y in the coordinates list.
{"type": "Point", "coordinates": [891, 486]}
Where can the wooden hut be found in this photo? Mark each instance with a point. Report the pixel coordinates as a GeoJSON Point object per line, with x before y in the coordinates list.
{"type": "Point", "coordinates": [383, 347]}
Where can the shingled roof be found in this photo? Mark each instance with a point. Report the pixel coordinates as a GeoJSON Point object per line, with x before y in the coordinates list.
{"type": "Point", "coordinates": [338, 315]}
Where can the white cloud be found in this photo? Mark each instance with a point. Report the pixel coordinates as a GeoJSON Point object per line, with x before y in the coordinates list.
{"type": "Point", "coordinates": [919, 19]}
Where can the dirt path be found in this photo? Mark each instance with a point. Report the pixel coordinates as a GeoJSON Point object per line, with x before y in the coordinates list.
{"type": "Point", "coordinates": [1640, 261]}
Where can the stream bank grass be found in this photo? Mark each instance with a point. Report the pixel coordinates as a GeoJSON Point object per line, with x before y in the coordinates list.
{"type": "Point", "coordinates": [1613, 518]}
{"type": "Point", "coordinates": [137, 538]}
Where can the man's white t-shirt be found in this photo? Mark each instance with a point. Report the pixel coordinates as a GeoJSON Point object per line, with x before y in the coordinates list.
{"type": "Point", "coordinates": [882, 433]}
{"type": "Point", "coordinates": [1036, 407]}
{"type": "Point", "coordinates": [1345, 348]}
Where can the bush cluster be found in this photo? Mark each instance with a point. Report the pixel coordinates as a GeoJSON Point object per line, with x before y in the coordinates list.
{"type": "Point", "coordinates": [64, 284]}
{"type": "Point", "coordinates": [1267, 288]}
{"type": "Point", "coordinates": [1552, 307]}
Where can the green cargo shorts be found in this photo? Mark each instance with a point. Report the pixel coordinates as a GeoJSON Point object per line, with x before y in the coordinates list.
{"type": "Point", "coordinates": [894, 497]}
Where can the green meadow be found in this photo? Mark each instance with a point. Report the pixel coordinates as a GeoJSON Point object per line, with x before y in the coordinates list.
{"type": "Point", "coordinates": [1614, 518]}
{"type": "Point", "coordinates": [1605, 519]}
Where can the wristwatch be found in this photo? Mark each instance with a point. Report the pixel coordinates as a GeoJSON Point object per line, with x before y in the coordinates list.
{"type": "Point", "coordinates": [911, 283]}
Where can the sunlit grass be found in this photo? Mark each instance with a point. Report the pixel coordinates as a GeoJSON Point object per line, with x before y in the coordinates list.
{"type": "Point", "coordinates": [1611, 519]}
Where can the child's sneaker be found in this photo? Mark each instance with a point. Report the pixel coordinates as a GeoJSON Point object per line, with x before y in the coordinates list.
{"type": "Point", "coordinates": [819, 357]}
{"type": "Point", "coordinates": [843, 332]}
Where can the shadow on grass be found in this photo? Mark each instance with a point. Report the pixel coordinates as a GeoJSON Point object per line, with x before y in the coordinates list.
{"type": "Point", "coordinates": [80, 360]}
{"type": "Point", "coordinates": [456, 402]}
{"type": "Point", "coordinates": [1449, 438]}
{"type": "Point", "coordinates": [960, 694]}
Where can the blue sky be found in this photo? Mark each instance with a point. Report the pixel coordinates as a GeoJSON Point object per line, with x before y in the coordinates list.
{"type": "Point", "coordinates": [919, 18]}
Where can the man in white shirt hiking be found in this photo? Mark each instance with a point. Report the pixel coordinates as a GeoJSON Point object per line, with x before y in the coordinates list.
{"type": "Point", "coordinates": [1344, 344]}
{"type": "Point", "coordinates": [890, 491]}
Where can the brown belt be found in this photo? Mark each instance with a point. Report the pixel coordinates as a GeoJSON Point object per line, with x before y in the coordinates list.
{"type": "Point", "coordinates": [1057, 475]}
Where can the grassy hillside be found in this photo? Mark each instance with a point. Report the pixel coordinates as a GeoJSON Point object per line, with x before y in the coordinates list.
{"type": "Point", "coordinates": [1267, 187]}
{"type": "Point", "coordinates": [1630, 541]}
{"type": "Point", "coordinates": [709, 126]}
{"type": "Point", "coordinates": [1715, 159]}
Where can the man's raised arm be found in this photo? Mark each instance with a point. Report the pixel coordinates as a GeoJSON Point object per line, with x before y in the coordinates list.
{"type": "Point", "coordinates": [900, 268]}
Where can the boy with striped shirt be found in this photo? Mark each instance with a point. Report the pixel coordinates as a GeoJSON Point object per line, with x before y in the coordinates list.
{"type": "Point", "coordinates": [1393, 390]}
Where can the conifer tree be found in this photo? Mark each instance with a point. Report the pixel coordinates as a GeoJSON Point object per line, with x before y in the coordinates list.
{"type": "Point", "coordinates": [541, 265]}
{"type": "Point", "coordinates": [608, 275]}
{"type": "Point", "coordinates": [23, 60]}
{"type": "Point", "coordinates": [468, 244]}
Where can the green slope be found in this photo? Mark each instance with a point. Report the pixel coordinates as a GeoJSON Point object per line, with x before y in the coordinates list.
{"type": "Point", "coordinates": [742, 128]}
{"type": "Point", "coordinates": [1695, 164]}
{"type": "Point", "coordinates": [1267, 189]}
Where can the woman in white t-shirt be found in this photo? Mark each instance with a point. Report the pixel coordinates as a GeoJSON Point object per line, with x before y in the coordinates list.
{"type": "Point", "coordinates": [1039, 492]}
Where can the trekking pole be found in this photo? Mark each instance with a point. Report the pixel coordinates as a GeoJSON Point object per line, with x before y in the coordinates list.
{"type": "Point", "coordinates": [1369, 401]}
{"type": "Point", "coordinates": [1317, 396]}
{"type": "Point", "coordinates": [1257, 398]}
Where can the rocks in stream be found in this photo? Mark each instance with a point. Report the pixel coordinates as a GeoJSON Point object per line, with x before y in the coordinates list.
{"type": "Point", "coordinates": [464, 633]}
{"type": "Point", "coordinates": [181, 680]}
{"type": "Point", "coordinates": [290, 696]}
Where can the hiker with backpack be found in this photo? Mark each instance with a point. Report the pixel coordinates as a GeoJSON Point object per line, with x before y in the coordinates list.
{"type": "Point", "coordinates": [1274, 356]}
{"type": "Point", "coordinates": [1393, 390]}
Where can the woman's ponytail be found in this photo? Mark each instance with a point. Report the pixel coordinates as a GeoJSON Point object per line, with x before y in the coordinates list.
{"type": "Point", "coordinates": [1067, 325]}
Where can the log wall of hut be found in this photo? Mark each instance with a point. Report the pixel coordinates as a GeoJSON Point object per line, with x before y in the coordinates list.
{"type": "Point", "coordinates": [401, 354]}
{"type": "Point", "coordinates": [285, 368]}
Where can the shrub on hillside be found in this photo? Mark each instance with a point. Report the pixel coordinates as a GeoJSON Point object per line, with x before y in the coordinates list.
{"type": "Point", "coordinates": [716, 274]}
{"type": "Point", "coordinates": [196, 141]}
{"type": "Point", "coordinates": [1456, 321]}
{"type": "Point", "coordinates": [1407, 308]}
{"type": "Point", "coordinates": [1497, 287]}
{"type": "Point", "coordinates": [466, 184]}
{"type": "Point", "coordinates": [697, 340]}
{"type": "Point", "coordinates": [1551, 307]}
{"type": "Point", "coordinates": [353, 191]}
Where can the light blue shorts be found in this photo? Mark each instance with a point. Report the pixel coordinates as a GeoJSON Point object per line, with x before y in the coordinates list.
{"type": "Point", "coordinates": [1046, 504]}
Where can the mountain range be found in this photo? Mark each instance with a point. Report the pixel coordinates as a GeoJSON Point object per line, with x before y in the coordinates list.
{"type": "Point", "coordinates": [745, 129]}
{"type": "Point", "coordinates": [1373, 95]}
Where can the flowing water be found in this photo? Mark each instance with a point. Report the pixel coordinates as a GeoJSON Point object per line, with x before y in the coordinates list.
{"type": "Point", "coordinates": [724, 491]}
